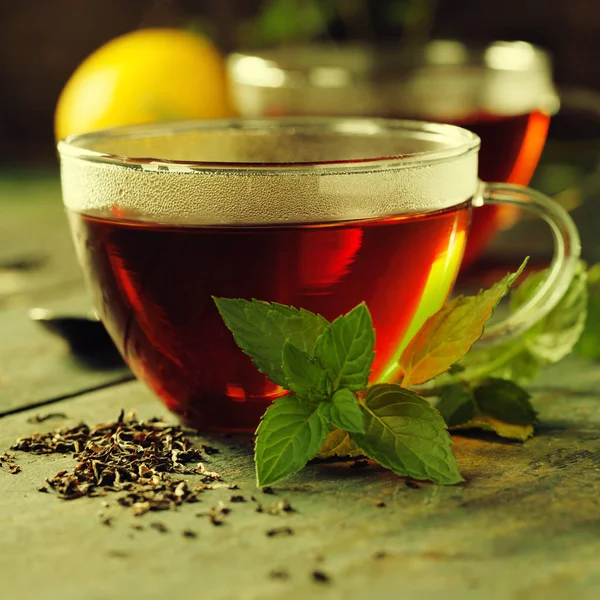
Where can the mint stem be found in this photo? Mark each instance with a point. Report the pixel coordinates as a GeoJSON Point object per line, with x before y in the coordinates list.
{"type": "Point", "coordinates": [483, 371]}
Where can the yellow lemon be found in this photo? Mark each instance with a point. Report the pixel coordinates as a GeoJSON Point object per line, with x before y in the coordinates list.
{"type": "Point", "coordinates": [144, 76]}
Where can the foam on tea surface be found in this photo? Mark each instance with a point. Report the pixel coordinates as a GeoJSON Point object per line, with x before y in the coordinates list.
{"type": "Point", "coordinates": [269, 174]}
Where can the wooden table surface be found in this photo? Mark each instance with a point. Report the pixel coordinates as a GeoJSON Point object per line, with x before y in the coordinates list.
{"type": "Point", "coordinates": [525, 525]}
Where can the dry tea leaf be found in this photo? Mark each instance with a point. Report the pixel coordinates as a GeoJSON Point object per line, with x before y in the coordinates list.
{"type": "Point", "coordinates": [131, 457]}
{"type": "Point", "coordinates": [280, 532]}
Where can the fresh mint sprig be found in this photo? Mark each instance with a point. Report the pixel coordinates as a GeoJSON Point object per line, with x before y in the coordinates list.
{"type": "Point", "coordinates": [394, 426]}
{"type": "Point", "coordinates": [332, 411]}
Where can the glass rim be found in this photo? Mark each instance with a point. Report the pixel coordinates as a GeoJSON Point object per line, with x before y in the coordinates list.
{"type": "Point", "coordinates": [462, 142]}
{"type": "Point", "coordinates": [510, 57]}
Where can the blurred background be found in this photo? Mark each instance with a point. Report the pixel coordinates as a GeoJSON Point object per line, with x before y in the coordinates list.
{"type": "Point", "coordinates": [42, 42]}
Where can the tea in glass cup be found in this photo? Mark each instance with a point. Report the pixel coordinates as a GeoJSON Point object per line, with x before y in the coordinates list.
{"type": "Point", "coordinates": [320, 214]}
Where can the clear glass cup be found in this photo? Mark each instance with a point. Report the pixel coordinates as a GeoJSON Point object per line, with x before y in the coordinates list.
{"type": "Point", "coordinates": [503, 92]}
{"type": "Point", "coordinates": [318, 213]}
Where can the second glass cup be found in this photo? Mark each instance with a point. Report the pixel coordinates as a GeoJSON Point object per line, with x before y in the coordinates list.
{"type": "Point", "coordinates": [503, 92]}
{"type": "Point", "coordinates": [316, 213]}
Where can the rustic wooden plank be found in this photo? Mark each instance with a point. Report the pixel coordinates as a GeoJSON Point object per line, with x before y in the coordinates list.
{"type": "Point", "coordinates": [526, 524]}
{"type": "Point", "coordinates": [38, 268]}
{"type": "Point", "coordinates": [36, 367]}
{"type": "Point", "coordinates": [37, 260]}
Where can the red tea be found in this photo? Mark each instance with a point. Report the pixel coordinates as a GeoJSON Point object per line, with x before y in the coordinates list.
{"type": "Point", "coordinates": [503, 92]}
{"type": "Point", "coordinates": [153, 285]}
{"type": "Point", "coordinates": [511, 147]}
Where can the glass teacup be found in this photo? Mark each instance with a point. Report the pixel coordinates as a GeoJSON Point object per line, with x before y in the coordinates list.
{"type": "Point", "coordinates": [317, 213]}
{"type": "Point", "coordinates": [502, 91]}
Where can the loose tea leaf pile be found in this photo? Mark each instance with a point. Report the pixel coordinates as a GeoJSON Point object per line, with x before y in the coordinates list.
{"type": "Point", "coordinates": [137, 458]}
{"type": "Point", "coordinates": [8, 460]}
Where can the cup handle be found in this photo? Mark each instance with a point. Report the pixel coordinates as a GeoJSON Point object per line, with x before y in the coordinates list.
{"type": "Point", "coordinates": [567, 250]}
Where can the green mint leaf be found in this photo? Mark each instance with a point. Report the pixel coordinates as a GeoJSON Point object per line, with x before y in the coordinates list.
{"type": "Point", "coordinates": [346, 349]}
{"type": "Point", "coordinates": [505, 401]}
{"type": "Point", "coordinates": [456, 405]}
{"type": "Point", "coordinates": [261, 329]}
{"type": "Point", "coordinates": [589, 342]}
{"type": "Point", "coordinates": [555, 335]}
{"type": "Point", "coordinates": [547, 342]}
{"type": "Point", "coordinates": [291, 432]}
{"type": "Point", "coordinates": [593, 276]}
{"type": "Point", "coordinates": [449, 334]}
{"type": "Point", "coordinates": [497, 405]}
{"type": "Point", "coordinates": [304, 375]}
{"type": "Point", "coordinates": [345, 413]}
{"type": "Point", "coordinates": [338, 443]}
{"type": "Point", "coordinates": [405, 434]}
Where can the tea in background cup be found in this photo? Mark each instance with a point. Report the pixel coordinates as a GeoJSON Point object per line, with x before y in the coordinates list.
{"type": "Point", "coordinates": [503, 92]}
{"type": "Point", "coordinates": [316, 213]}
